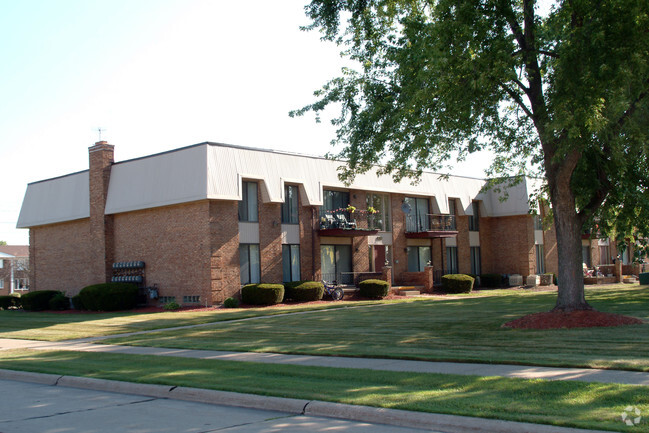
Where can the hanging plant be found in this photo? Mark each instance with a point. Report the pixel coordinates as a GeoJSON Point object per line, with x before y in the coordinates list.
{"type": "Point", "coordinates": [371, 210]}
{"type": "Point", "coordinates": [351, 209]}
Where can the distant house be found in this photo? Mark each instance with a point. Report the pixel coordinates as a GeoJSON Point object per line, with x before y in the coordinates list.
{"type": "Point", "coordinates": [202, 220]}
{"type": "Point", "coordinates": [14, 269]}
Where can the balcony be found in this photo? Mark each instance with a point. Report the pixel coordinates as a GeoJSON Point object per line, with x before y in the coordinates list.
{"type": "Point", "coordinates": [430, 226]}
{"type": "Point", "coordinates": [341, 222]}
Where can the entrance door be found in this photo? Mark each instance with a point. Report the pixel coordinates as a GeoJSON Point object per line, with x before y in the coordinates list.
{"type": "Point", "coordinates": [379, 257]}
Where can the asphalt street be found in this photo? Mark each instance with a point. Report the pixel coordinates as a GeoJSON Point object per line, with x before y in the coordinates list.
{"type": "Point", "coordinates": [34, 408]}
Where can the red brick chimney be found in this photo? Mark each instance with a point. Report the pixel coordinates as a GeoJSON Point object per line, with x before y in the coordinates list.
{"type": "Point", "coordinates": [101, 157]}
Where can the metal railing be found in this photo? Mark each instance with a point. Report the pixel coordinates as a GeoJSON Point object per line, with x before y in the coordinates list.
{"type": "Point", "coordinates": [430, 222]}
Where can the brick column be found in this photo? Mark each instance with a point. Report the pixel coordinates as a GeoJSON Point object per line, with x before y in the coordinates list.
{"type": "Point", "coordinates": [463, 246]}
{"type": "Point", "coordinates": [360, 246]}
{"type": "Point", "coordinates": [399, 256]}
{"type": "Point", "coordinates": [224, 255]}
{"type": "Point", "coordinates": [101, 158]}
{"type": "Point", "coordinates": [270, 242]}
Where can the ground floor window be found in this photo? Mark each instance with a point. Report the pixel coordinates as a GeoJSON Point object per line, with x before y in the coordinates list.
{"type": "Point", "coordinates": [2, 283]}
{"type": "Point", "coordinates": [418, 258]}
{"type": "Point", "coordinates": [336, 263]}
{"type": "Point", "coordinates": [451, 258]}
{"type": "Point", "coordinates": [249, 261]}
{"type": "Point", "coordinates": [585, 255]}
{"type": "Point", "coordinates": [475, 261]}
{"type": "Point", "coordinates": [291, 262]}
{"type": "Point", "coordinates": [540, 260]}
{"type": "Point", "coordinates": [604, 255]}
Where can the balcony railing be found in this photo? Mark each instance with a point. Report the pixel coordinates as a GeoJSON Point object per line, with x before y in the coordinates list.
{"type": "Point", "coordinates": [429, 225]}
{"type": "Point", "coordinates": [341, 222]}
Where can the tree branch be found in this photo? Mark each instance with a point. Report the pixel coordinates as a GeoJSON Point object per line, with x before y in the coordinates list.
{"type": "Point", "coordinates": [517, 99]}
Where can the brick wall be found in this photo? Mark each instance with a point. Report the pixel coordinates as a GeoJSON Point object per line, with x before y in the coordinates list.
{"type": "Point", "coordinates": [270, 241]}
{"type": "Point", "coordinates": [463, 245]}
{"type": "Point", "coordinates": [174, 243]}
{"type": "Point", "coordinates": [100, 257]}
{"type": "Point", "coordinates": [507, 245]}
{"type": "Point", "coordinates": [309, 251]}
{"type": "Point", "coordinates": [59, 257]}
{"type": "Point", "coordinates": [360, 247]}
{"type": "Point", "coordinates": [225, 280]}
{"type": "Point", "coordinates": [399, 255]}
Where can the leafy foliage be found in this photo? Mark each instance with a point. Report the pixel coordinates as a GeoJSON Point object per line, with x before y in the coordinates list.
{"type": "Point", "coordinates": [457, 283]}
{"type": "Point", "coordinates": [373, 289]}
{"type": "Point", "coordinates": [563, 94]}
{"type": "Point", "coordinates": [109, 297]}
{"type": "Point", "coordinates": [262, 294]}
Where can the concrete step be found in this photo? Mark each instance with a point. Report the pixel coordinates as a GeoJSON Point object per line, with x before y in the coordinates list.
{"type": "Point", "coordinates": [408, 293]}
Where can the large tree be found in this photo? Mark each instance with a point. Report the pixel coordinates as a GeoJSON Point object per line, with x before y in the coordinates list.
{"type": "Point", "coordinates": [564, 91]}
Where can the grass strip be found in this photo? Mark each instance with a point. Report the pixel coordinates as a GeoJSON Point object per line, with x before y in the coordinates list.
{"type": "Point", "coordinates": [466, 330]}
{"type": "Point", "coordinates": [570, 404]}
{"type": "Point", "coordinates": [57, 327]}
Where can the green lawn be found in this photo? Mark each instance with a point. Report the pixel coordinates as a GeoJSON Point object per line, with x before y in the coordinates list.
{"type": "Point", "coordinates": [57, 327]}
{"type": "Point", "coordinates": [575, 404]}
{"type": "Point", "coordinates": [467, 329]}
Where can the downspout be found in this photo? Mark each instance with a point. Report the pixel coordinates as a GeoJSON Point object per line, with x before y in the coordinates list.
{"type": "Point", "coordinates": [11, 283]}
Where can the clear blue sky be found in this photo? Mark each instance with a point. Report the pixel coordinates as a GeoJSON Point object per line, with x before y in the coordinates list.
{"type": "Point", "coordinates": [156, 75]}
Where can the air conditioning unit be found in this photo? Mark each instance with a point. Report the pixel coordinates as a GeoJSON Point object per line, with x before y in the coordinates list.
{"type": "Point", "coordinates": [533, 280]}
{"type": "Point", "coordinates": [515, 280]}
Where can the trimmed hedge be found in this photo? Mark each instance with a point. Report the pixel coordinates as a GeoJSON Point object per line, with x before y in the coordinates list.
{"type": "Point", "coordinates": [77, 303]}
{"type": "Point", "coordinates": [109, 297]}
{"type": "Point", "coordinates": [231, 303]}
{"type": "Point", "coordinates": [9, 301]}
{"type": "Point", "coordinates": [38, 300]}
{"type": "Point", "coordinates": [457, 283]}
{"type": "Point", "coordinates": [491, 280]}
{"type": "Point", "coordinates": [289, 288]}
{"type": "Point", "coordinates": [59, 302]}
{"type": "Point", "coordinates": [262, 294]}
{"type": "Point", "coordinates": [305, 291]}
{"type": "Point", "coordinates": [373, 289]}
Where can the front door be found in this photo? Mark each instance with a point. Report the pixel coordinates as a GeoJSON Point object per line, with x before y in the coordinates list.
{"type": "Point", "coordinates": [379, 257]}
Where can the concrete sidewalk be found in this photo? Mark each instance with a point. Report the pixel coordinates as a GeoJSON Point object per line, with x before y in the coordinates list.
{"type": "Point", "coordinates": [501, 370]}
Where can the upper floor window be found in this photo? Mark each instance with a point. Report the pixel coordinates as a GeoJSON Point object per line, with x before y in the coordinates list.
{"type": "Point", "coordinates": [538, 222]}
{"type": "Point", "coordinates": [2, 263]}
{"type": "Point", "coordinates": [452, 210]}
{"type": "Point", "coordinates": [289, 207]}
{"type": "Point", "coordinates": [335, 199]}
{"type": "Point", "coordinates": [474, 220]}
{"type": "Point", "coordinates": [417, 219]}
{"type": "Point", "coordinates": [248, 204]}
{"type": "Point", "coordinates": [380, 219]}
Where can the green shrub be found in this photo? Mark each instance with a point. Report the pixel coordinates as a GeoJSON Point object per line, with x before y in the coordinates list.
{"type": "Point", "coordinates": [306, 291]}
{"type": "Point", "coordinates": [109, 296]}
{"type": "Point", "coordinates": [457, 283]}
{"type": "Point", "coordinates": [231, 303]}
{"type": "Point", "coordinates": [171, 306]}
{"type": "Point", "coordinates": [374, 289]}
{"type": "Point", "coordinates": [38, 300]}
{"type": "Point", "coordinates": [289, 288]}
{"type": "Point", "coordinates": [77, 303]}
{"type": "Point", "coordinates": [8, 301]}
{"type": "Point", "coordinates": [59, 302]}
{"type": "Point", "coordinates": [491, 280]}
{"type": "Point", "coordinates": [262, 294]}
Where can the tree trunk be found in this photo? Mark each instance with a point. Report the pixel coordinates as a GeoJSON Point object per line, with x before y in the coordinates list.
{"type": "Point", "coordinates": [568, 228]}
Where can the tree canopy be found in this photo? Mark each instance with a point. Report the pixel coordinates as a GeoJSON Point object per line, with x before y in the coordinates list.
{"type": "Point", "coordinates": [561, 93]}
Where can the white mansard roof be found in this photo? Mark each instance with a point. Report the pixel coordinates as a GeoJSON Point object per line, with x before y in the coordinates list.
{"type": "Point", "coordinates": [215, 171]}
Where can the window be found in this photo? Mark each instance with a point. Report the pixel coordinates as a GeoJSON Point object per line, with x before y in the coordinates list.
{"type": "Point", "coordinates": [540, 260]}
{"type": "Point", "coordinates": [335, 200]}
{"type": "Point", "coordinates": [289, 207]}
{"type": "Point", "coordinates": [452, 211]}
{"type": "Point", "coordinates": [451, 258]}
{"type": "Point", "coordinates": [166, 299]}
{"type": "Point", "coordinates": [604, 255]}
{"type": "Point", "coordinates": [585, 255]}
{"type": "Point", "coordinates": [418, 258]}
{"type": "Point", "coordinates": [417, 219]}
{"type": "Point", "coordinates": [291, 262]}
{"type": "Point", "coordinates": [248, 203]}
{"type": "Point", "coordinates": [2, 283]}
{"type": "Point", "coordinates": [381, 219]}
{"type": "Point", "coordinates": [2, 263]}
{"type": "Point", "coordinates": [475, 261]}
{"type": "Point", "coordinates": [474, 220]}
{"type": "Point", "coordinates": [336, 263]}
{"type": "Point", "coordinates": [191, 299]}
{"type": "Point", "coordinates": [538, 222]}
{"type": "Point", "coordinates": [249, 260]}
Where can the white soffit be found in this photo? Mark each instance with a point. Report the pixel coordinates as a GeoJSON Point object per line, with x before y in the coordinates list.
{"type": "Point", "coordinates": [159, 180]}
{"type": "Point", "coordinates": [55, 200]}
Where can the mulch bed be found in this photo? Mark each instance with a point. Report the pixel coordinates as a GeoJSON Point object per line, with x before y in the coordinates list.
{"type": "Point", "coordinates": [573, 319]}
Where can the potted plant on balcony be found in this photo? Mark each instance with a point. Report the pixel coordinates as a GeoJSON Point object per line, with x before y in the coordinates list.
{"type": "Point", "coordinates": [351, 209]}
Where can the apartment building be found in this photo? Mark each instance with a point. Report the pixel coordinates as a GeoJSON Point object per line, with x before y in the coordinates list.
{"type": "Point", "coordinates": [204, 219]}
{"type": "Point", "coordinates": [14, 269]}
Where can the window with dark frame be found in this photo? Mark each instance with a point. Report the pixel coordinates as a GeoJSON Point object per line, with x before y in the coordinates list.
{"type": "Point", "coordinates": [248, 204]}
{"type": "Point", "coordinates": [291, 262]}
{"type": "Point", "coordinates": [290, 205]}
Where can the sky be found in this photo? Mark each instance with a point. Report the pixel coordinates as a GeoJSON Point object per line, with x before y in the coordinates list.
{"type": "Point", "coordinates": [154, 75]}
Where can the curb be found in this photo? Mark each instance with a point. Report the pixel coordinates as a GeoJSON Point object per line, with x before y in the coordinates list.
{"type": "Point", "coordinates": [394, 417]}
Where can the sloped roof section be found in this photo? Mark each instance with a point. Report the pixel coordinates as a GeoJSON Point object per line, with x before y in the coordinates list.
{"type": "Point", "coordinates": [64, 198]}
{"type": "Point", "coordinates": [14, 250]}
